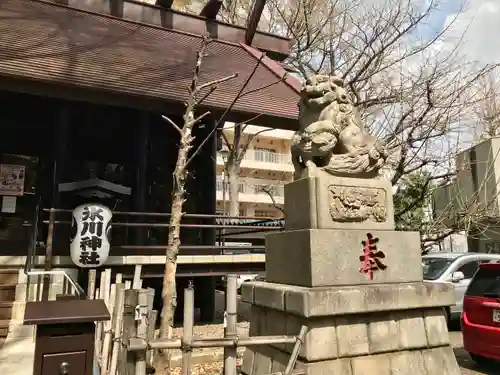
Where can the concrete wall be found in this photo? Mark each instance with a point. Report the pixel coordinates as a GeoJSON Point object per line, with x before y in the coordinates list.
{"type": "Point", "coordinates": [474, 195]}
{"type": "Point", "coordinates": [478, 170]}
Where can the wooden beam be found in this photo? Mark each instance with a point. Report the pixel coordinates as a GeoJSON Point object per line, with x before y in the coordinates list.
{"type": "Point", "coordinates": [253, 20]}
{"type": "Point", "coordinates": [211, 9]}
{"type": "Point", "coordinates": [167, 4]}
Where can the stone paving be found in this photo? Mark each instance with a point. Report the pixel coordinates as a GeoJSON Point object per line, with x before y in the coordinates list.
{"type": "Point", "coordinates": [16, 356]}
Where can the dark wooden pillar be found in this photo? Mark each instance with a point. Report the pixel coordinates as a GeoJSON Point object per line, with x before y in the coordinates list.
{"type": "Point", "coordinates": [207, 170]}
{"type": "Point", "coordinates": [141, 192]}
{"type": "Point", "coordinates": [61, 163]}
{"type": "Point", "coordinates": [206, 204]}
{"type": "Point", "coordinates": [62, 137]}
{"type": "Point", "coordinates": [204, 289]}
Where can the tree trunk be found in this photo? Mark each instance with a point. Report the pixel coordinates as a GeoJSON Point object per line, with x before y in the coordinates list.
{"type": "Point", "coordinates": [169, 294]}
{"type": "Point", "coordinates": [233, 177]}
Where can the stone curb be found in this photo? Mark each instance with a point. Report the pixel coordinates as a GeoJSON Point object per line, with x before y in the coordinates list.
{"type": "Point", "coordinates": [341, 300]}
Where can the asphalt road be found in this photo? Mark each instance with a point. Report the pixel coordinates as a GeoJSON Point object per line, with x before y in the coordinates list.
{"type": "Point", "coordinates": [466, 363]}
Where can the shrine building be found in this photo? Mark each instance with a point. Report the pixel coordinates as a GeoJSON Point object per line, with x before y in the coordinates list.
{"type": "Point", "coordinates": [83, 87]}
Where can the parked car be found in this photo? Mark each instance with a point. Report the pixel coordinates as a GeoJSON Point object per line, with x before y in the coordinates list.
{"type": "Point", "coordinates": [457, 268]}
{"type": "Point", "coordinates": [243, 278]}
{"type": "Point", "coordinates": [240, 279]}
{"type": "Point", "coordinates": [481, 316]}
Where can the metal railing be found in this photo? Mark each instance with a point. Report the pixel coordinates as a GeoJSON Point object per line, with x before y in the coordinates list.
{"type": "Point", "coordinates": [43, 277]}
{"type": "Point", "coordinates": [32, 269]}
{"type": "Point", "coordinates": [256, 186]}
{"type": "Point", "coordinates": [265, 156]}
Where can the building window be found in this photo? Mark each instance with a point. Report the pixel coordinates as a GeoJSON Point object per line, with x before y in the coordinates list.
{"type": "Point", "coordinates": [266, 155]}
{"type": "Point", "coordinates": [263, 213]}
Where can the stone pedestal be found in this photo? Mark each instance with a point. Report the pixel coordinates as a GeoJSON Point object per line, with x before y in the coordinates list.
{"type": "Point", "coordinates": [381, 322]}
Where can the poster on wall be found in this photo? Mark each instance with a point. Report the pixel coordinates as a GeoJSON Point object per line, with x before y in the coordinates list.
{"type": "Point", "coordinates": [12, 178]}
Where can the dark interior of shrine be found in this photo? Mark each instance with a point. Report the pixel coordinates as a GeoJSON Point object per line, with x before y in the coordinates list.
{"type": "Point", "coordinates": [64, 141]}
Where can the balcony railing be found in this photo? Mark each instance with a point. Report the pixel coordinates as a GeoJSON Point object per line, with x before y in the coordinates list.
{"type": "Point", "coordinates": [264, 156]}
{"type": "Point", "coordinates": [256, 186]}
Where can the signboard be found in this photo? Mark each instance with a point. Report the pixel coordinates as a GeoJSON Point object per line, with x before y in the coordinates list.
{"type": "Point", "coordinates": [12, 178]}
{"type": "Point", "coordinates": [90, 235]}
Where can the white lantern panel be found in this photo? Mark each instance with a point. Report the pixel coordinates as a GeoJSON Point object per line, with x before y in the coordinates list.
{"type": "Point", "coordinates": [90, 235]}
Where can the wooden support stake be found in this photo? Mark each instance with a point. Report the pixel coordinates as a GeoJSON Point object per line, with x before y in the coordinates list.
{"type": "Point", "coordinates": [117, 327]}
{"type": "Point", "coordinates": [108, 328]}
{"type": "Point", "coordinates": [91, 284]}
{"type": "Point", "coordinates": [129, 331]}
{"type": "Point", "coordinates": [107, 285]}
{"type": "Point", "coordinates": [99, 325]}
{"type": "Point", "coordinates": [153, 316]}
{"type": "Point", "coordinates": [296, 350]}
{"type": "Point", "coordinates": [137, 283]}
{"type": "Point", "coordinates": [142, 331]}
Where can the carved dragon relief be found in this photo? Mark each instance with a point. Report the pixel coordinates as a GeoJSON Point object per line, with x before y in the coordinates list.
{"type": "Point", "coordinates": [331, 135]}
{"type": "Point", "coordinates": [357, 204]}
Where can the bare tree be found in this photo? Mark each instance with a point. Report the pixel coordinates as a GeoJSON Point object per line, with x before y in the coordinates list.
{"type": "Point", "coordinates": [487, 109]}
{"type": "Point", "coordinates": [180, 176]}
{"type": "Point", "coordinates": [198, 92]}
{"type": "Point", "coordinates": [237, 147]}
{"type": "Point", "coordinates": [411, 84]}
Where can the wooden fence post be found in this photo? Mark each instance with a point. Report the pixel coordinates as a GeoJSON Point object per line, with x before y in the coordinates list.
{"type": "Point", "coordinates": [142, 330]}
{"type": "Point", "coordinates": [117, 327]}
{"type": "Point", "coordinates": [129, 331]}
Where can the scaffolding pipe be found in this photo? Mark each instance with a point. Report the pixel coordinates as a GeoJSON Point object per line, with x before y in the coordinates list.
{"type": "Point", "coordinates": [168, 214]}
{"type": "Point", "coordinates": [136, 344]}
{"type": "Point", "coordinates": [187, 337]}
{"type": "Point", "coordinates": [166, 225]}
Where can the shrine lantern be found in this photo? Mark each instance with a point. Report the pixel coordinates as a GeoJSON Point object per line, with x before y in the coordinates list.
{"type": "Point", "coordinates": [90, 235]}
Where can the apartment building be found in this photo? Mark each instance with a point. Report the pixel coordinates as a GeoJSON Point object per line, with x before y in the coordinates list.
{"type": "Point", "coordinates": [266, 166]}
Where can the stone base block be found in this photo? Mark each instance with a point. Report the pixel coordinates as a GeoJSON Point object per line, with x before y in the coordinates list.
{"type": "Point", "coordinates": [434, 361]}
{"type": "Point", "coordinates": [324, 257]}
{"type": "Point", "coordinates": [316, 258]}
{"type": "Point", "coordinates": [336, 301]}
{"type": "Point", "coordinates": [327, 202]}
{"type": "Point", "coordinates": [354, 335]}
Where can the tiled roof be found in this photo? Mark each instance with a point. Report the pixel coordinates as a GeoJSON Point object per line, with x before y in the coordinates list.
{"type": "Point", "coordinates": [74, 48]}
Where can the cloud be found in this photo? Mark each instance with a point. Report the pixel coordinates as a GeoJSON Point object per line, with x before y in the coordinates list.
{"type": "Point", "coordinates": [477, 29]}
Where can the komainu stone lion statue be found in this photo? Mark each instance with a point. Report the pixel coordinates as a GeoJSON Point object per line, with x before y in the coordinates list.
{"type": "Point", "coordinates": [331, 135]}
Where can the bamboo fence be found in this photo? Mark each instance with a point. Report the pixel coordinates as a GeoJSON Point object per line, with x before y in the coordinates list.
{"type": "Point", "coordinates": [126, 344]}
{"type": "Point", "coordinates": [139, 344]}
{"type": "Point", "coordinates": [127, 303]}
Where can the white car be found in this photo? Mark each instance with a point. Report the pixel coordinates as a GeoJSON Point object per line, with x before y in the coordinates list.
{"type": "Point", "coordinates": [456, 268]}
{"type": "Point", "coordinates": [240, 279]}
{"type": "Point", "coordinates": [244, 278]}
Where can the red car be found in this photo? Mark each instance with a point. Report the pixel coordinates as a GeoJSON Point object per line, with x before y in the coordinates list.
{"type": "Point", "coordinates": [481, 314]}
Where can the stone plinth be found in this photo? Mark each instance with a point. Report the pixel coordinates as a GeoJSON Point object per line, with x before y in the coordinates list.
{"type": "Point", "coordinates": [327, 202]}
{"type": "Point", "coordinates": [328, 257]}
{"type": "Point", "coordinates": [370, 329]}
{"type": "Point", "coordinates": [342, 270]}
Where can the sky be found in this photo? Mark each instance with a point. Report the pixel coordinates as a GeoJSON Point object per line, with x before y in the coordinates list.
{"type": "Point", "coordinates": [477, 21]}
